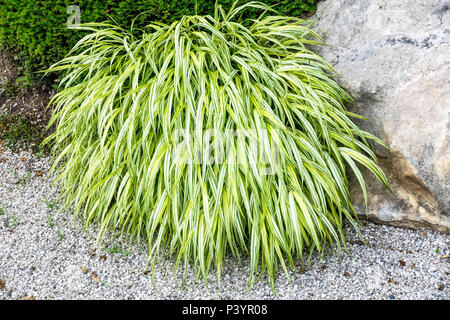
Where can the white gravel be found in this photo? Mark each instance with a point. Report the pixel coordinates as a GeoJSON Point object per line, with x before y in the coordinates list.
{"type": "Point", "coordinates": [42, 255]}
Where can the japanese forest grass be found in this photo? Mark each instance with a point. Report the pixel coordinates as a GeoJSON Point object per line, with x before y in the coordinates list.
{"type": "Point", "coordinates": [123, 101]}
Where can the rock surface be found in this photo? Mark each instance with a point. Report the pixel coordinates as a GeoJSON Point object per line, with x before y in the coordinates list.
{"type": "Point", "coordinates": [393, 57]}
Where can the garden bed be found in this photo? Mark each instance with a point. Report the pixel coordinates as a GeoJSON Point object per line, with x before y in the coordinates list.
{"type": "Point", "coordinates": [44, 256]}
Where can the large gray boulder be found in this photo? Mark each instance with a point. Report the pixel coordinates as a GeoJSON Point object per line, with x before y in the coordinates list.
{"type": "Point", "coordinates": [393, 57]}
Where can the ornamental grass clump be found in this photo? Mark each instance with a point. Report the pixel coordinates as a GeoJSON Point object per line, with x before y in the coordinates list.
{"type": "Point", "coordinates": [209, 136]}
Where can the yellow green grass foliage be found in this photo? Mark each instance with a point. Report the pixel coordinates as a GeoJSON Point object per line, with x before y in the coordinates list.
{"type": "Point", "coordinates": [124, 100]}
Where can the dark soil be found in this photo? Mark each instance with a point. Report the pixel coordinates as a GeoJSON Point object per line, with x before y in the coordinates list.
{"type": "Point", "coordinates": [23, 106]}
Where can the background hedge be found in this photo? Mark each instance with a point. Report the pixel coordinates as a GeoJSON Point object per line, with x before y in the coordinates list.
{"type": "Point", "coordinates": [36, 31]}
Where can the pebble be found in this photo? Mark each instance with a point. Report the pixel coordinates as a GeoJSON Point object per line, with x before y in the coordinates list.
{"type": "Point", "coordinates": [59, 260]}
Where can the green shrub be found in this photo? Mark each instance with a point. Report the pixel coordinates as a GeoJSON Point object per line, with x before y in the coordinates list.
{"type": "Point", "coordinates": [126, 100]}
{"type": "Point", "coordinates": [36, 29]}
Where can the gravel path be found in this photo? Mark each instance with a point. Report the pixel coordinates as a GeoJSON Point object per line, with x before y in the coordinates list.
{"type": "Point", "coordinates": [44, 256]}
